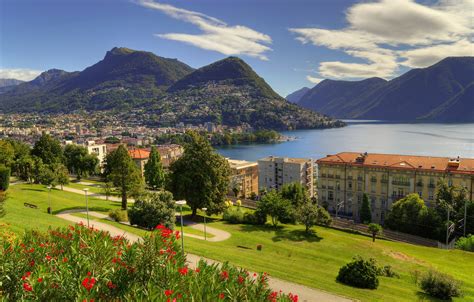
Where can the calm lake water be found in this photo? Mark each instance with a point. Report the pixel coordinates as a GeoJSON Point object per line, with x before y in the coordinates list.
{"type": "Point", "coordinates": [367, 136]}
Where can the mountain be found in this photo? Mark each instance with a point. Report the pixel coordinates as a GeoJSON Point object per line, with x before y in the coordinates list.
{"type": "Point", "coordinates": [9, 82]}
{"type": "Point", "coordinates": [124, 79]}
{"type": "Point", "coordinates": [439, 93]}
{"type": "Point", "coordinates": [297, 95]}
{"type": "Point", "coordinates": [332, 97]}
{"type": "Point", "coordinates": [230, 92]}
{"type": "Point", "coordinates": [164, 92]}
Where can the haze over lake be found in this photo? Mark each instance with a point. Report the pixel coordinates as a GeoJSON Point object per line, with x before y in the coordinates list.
{"type": "Point", "coordinates": [367, 136]}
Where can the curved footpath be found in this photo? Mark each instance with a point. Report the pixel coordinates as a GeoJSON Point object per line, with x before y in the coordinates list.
{"type": "Point", "coordinates": [304, 293]}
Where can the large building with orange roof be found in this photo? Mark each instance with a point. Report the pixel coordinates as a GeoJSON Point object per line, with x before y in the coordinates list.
{"type": "Point", "coordinates": [343, 178]}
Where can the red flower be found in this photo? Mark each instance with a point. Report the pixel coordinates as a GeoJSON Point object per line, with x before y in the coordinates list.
{"type": "Point", "coordinates": [40, 280]}
{"type": "Point", "coordinates": [64, 259]}
{"type": "Point", "coordinates": [32, 263]}
{"type": "Point", "coordinates": [221, 296]}
{"type": "Point", "coordinates": [88, 283]}
{"type": "Point", "coordinates": [160, 227]}
{"type": "Point", "coordinates": [273, 296]}
{"type": "Point", "coordinates": [241, 280]}
{"type": "Point", "coordinates": [225, 275]}
{"type": "Point", "coordinates": [293, 298]}
{"type": "Point", "coordinates": [26, 275]}
{"type": "Point", "coordinates": [183, 271]}
{"type": "Point", "coordinates": [48, 257]}
{"type": "Point", "coordinates": [197, 270]}
{"type": "Point", "coordinates": [177, 234]}
{"type": "Point", "coordinates": [168, 292]}
{"type": "Point", "coordinates": [27, 287]}
{"type": "Point", "coordinates": [31, 250]}
{"type": "Point", "coordinates": [111, 285]}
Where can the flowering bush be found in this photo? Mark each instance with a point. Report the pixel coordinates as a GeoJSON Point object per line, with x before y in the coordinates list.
{"type": "Point", "coordinates": [82, 264]}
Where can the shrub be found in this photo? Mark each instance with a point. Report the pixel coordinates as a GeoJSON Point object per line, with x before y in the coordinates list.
{"type": "Point", "coordinates": [466, 243]}
{"type": "Point", "coordinates": [359, 273]}
{"type": "Point", "coordinates": [152, 209]}
{"type": "Point", "coordinates": [387, 271]}
{"type": "Point", "coordinates": [233, 215]}
{"type": "Point", "coordinates": [439, 285]}
{"type": "Point", "coordinates": [4, 178]}
{"type": "Point", "coordinates": [82, 264]}
{"type": "Point", "coordinates": [118, 215]}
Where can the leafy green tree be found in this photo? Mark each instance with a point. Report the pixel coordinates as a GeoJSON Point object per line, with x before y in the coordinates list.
{"type": "Point", "coordinates": [38, 167]}
{"type": "Point", "coordinates": [365, 211]}
{"type": "Point", "coordinates": [7, 153]}
{"type": "Point", "coordinates": [296, 193]}
{"type": "Point", "coordinates": [154, 172]}
{"type": "Point", "coordinates": [374, 229]}
{"type": "Point", "coordinates": [48, 149]}
{"type": "Point", "coordinates": [152, 209]}
{"type": "Point", "coordinates": [200, 176]}
{"type": "Point", "coordinates": [62, 175]}
{"type": "Point", "coordinates": [308, 215]}
{"type": "Point", "coordinates": [79, 162]}
{"type": "Point", "coordinates": [4, 177]}
{"type": "Point", "coordinates": [48, 176]}
{"type": "Point", "coordinates": [278, 208]}
{"type": "Point", "coordinates": [123, 173]}
{"type": "Point", "coordinates": [107, 188]}
{"type": "Point", "coordinates": [25, 168]}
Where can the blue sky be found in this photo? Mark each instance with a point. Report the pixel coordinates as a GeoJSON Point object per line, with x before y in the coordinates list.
{"type": "Point", "coordinates": [291, 44]}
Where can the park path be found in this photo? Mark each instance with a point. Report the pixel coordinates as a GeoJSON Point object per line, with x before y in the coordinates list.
{"type": "Point", "coordinates": [95, 195]}
{"type": "Point", "coordinates": [304, 293]}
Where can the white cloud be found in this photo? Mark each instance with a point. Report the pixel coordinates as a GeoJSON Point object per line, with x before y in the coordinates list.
{"type": "Point", "coordinates": [19, 74]}
{"type": "Point", "coordinates": [217, 35]}
{"type": "Point", "coordinates": [313, 79]}
{"type": "Point", "coordinates": [422, 57]}
{"type": "Point", "coordinates": [377, 30]}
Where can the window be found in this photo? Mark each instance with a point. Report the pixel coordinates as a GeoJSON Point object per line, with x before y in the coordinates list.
{"type": "Point", "coordinates": [349, 185]}
{"type": "Point", "coordinates": [331, 195]}
{"type": "Point", "coordinates": [430, 195]}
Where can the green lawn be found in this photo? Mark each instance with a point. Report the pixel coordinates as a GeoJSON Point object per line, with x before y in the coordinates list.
{"type": "Point", "coordinates": [95, 187]}
{"type": "Point", "coordinates": [19, 217]}
{"type": "Point", "coordinates": [287, 252]}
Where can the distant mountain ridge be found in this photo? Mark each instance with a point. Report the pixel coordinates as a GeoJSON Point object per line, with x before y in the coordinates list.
{"type": "Point", "coordinates": [439, 93]}
{"type": "Point", "coordinates": [297, 95]}
{"type": "Point", "coordinates": [9, 82]}
{"type": "Point", "coordinates": [166, 91]}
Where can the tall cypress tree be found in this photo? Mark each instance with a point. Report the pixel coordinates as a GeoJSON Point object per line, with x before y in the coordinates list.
{"type": "Point", "coordinates": [365, 211]}
{"type": "Point", "coordinates": [154, 173]}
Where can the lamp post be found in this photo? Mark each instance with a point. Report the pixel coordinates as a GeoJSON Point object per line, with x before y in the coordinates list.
{"type": "Point", "coordinates": [181, 203]}
{"type": "Point", "coordinates": [205, 234]}
{"type": "Point", "coordinates": [87, 206]}
{"type": "Point", "coordinates": [50, 211]}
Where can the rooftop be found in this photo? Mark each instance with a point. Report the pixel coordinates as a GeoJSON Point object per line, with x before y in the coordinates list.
{"type": "Point", "coordinates": [397, 161]}
{"type": "Point", "coordinates": [240, 164]}
{"type": "Point", "coordinates": [285, 159]}
{"type": "Point", "coordinates": [139, 153]}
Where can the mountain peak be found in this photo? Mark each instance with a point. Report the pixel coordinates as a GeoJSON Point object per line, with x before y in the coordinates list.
{"type": "Point", "coordinates": [49, 75]}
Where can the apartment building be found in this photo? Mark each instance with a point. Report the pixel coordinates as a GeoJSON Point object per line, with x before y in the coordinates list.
{"type": "Point", "coordinates": [168, 154]}
{"type": "Point", "coordinates": [274, 172]}
{"type": "Point", "coordinates": [98, 149]}
{"type": "Point", "coordinates": [343, 178]}
{"type": "Point", "coordinates": [244, 177]}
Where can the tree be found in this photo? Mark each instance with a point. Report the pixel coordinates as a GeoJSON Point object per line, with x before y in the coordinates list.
{"type": "Point", "coordinates": [62, 175]}
{"type": "Point", "coordinates": [308, 215]}
{"type": "Point", "coordinates": [200, 176]}
{"type": "Point", "coordinates": [296, 193]}
{"type": "Point", "coordinates": [7, 153]}
{"type": "Point", "coordinates": [123, 173]}
{"type": "Point", "coordinates": [154, 172]}
{"type": "Point", "coordinates": [79, 162]}
{"type": "Point", "coordinates": [47, 176]}
{"type": "Point", "coordinates": [374, 228]}
{"type": "Point", "coordinates": [48, 149]}
{"type": "Point", "coordinates": [107, 189]}
{"type": "Point", "coordinates": [152, 209]}
{"type": "Point", "coordinates": [4, 177]}
{"type": "Point", "coordinates": [365, 212]}
{"type": "Point", "coordinates": [278, 208]}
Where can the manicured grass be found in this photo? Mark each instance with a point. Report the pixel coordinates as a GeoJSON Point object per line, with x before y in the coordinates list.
{"type": "Point", "coordinates": [287, 252]}
{"type": "Point", "coordinates": [95, 187]}
{"type": "Point", "coordinates": [315, 260]}
{"type": "Point", "coordinates": [19, 217]}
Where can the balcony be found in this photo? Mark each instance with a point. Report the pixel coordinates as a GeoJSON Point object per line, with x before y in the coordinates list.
{"type": "Point", "coordinates": [400, 183]}
{"type": "Point", "coordinates": [330, 187]}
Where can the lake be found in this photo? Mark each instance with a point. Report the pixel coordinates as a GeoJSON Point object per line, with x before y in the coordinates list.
{"type": "Point", "coordinates": [448, 140]}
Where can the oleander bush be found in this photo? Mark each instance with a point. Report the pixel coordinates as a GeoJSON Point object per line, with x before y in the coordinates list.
{"type": "Point", "coordinates": [466, 243]}
{"type": "Point", "coordinates": [360, 273]}
{"type": "Point", "coordinates": [83, 264]}
{"type": "Point", "coordinates": [439, 285]}
{"type": "Point", "coordinates": [118, 215]}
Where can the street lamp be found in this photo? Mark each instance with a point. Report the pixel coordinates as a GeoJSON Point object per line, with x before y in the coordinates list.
{"type": "Point", "coordinates": [205, 234]}
{"type": "Point", "coordinates": [87, 206]}
{"type": "Point", "coordinates": [181, 203]}
{"type": "Point", "coordinates": [50, 211]}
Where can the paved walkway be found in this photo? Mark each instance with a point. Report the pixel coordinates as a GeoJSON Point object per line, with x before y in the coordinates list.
{"type": "Point", "coordinates": [305, 293]}
{"type": "Point", "coordinates": [95, 195]}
